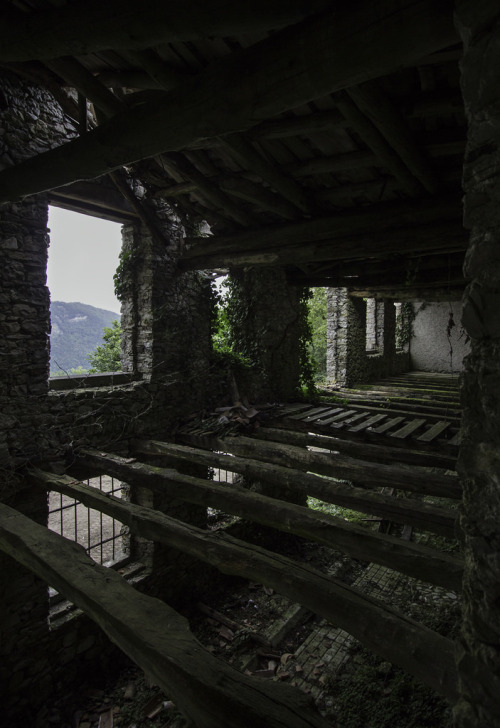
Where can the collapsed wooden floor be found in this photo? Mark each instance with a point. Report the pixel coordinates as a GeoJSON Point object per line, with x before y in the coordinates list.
{"type": "Point", "coordinates": [355, 452]}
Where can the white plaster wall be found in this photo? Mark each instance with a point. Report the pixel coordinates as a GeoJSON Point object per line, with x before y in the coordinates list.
{"type": "Point", "coordinates": [430, 346]}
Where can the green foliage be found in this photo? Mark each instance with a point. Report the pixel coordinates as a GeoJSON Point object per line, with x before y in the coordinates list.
{"type": "Point", "coordinates": [123, 276]}
{"type": "Point", "coordinates": [74, 370]}
{"type": "Point", "coordinates": [107, 358]}
{"type": "Point", "coordinates": [317, 317]}
{"type": "Point", "coordinates": [306, 362]}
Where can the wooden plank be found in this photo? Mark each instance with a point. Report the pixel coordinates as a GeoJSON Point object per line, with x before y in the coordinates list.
{"type": "Point", "coordinates": [367, 423]}
{"type": "Point", "coordinates": [310, 414]}
{"type": "Point", "coordinates": [381, 429]}
{"type": "Point", "coordinates": [434, 431]}
{"type": "Point", "coordinates": [380, 452]}
{"type": "Point", "coordinates": [324, 419]}
{"type": "Point", "coordinates": [408, 429]}
{"type": "Point", "coordinates": [339, 417]}
{"type": "Point", "coordinates": [417, 649]}
{"type": "Point", "coordinates": [412, 559]}
{"type": "Point", "coordinates": [401, 510]}
{"type": "Point", "coordinates": [208, 691]}
{"type": "Point", "coordinates": [330, 51]}
{"type": "Point", "coordinates": [456, 439]}
{"type": "Point", "coordinates": [350, 420]}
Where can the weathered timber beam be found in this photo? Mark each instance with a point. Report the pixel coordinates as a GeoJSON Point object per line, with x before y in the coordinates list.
{"type": "Point", "coordinates": [412, 559]}
{"type": "Point", "coordinates": [81, 28]}
{"type": "Point", "coordinates": [345, 468]}
{"type": "Point", "coordinates": [99, 200]}
{"type": "Point", "coordinates": [207, 690]}
{"type": "Point", "coordinates": [442, 292]}
{"type": "Point", "coordinates": [417, 649]}
{"type": "Point", "coordinates": [376, 106]}
{"type": "Point", "coordinates": [401, 510]}
{"type": "Point", "coordinates": [382, 216]}
{"type": "Point", "coordinates": [259, 196]}
{"type": "Point", "coordinates": [323, 54]}
{"type": "Point", "coordinates": [385, 155]}
{"type": "Point", "coordinates": [209, 191]}
{"type": "Point", "coordinates": [438, 238]}
{"type": "Point", "coordinates": [362, 450]}
{"type": "Point", "coordinates": [86, 83]}
{"type": "Point", "coordinates": [250, 158]}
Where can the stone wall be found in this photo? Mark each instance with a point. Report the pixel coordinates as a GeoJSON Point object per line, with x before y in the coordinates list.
{"type": "Point", "coordinates": [167, 341]}
{"type": "Point", "coordinates": [439, 342]}
{"type": "Point", "coordinates": [266, 318]}
{"type": "Point", "coordinates": [348, 361]}
{"type": "Point", "coordinates": [479, 463]}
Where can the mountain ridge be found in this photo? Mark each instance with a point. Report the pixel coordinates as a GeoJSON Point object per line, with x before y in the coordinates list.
{"type": "Point", "coordinates": [77, 329]}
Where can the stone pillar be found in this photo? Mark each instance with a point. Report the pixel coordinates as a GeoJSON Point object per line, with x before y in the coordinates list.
{"type": "Point", "coordinates": [166, 316]}
{"type": "Point", "coordinates": [267, 320]}
{"type": "Point", "coordinates": [346, 338]}
{"type": "Point", "coordinates": [479, 462]}
{"type": "Point", "coordinates": [386, 321]}
{"type": "Point", "coordinates": [25, 672]}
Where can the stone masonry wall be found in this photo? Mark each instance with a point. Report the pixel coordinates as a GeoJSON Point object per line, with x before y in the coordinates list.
{"type": "Point", "coordinates": [433, 347]}
{"type": "Point", "coordinates": [30, 122]}
{"type": "Point", "coordinates": [479, 658]}
{"type": "Point", "coordinates": [36, 425]}
{"type": "Point", "coordinates": [266, 320]}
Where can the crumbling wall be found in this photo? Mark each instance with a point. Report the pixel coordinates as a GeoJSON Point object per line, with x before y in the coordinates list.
{"type": "Point", "coordinates": [171, 350]}
{"type": "Point", "coordinates": [479, 463]}
{"type": "Point", "coordinates": [439, 342]}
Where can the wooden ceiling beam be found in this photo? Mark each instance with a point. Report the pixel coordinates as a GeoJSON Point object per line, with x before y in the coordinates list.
{"type": "Point", "coordinates": [321, 55]}
{"type": "Point", "coordinates": [243, 151]}
{"type": "Point", "coordinates": [385, 154]}
{"type": "Point", "coordinates": [441, 292]}
{"type": "Point", "coordinates": [377, 107]}
{"type": "Point", "coordinates": [381, 217]}
{"type": "Point", "coordinates": [436, 238]}
{"type": "Point", "coordinates": [81, 28]}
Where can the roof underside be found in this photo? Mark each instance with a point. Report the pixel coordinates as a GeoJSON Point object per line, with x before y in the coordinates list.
{"type": "Point", "coordinates": [309, 135]}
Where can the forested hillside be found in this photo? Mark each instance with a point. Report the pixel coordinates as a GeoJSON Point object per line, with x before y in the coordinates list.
{"type": "Point", "coordinates": [77, 329]}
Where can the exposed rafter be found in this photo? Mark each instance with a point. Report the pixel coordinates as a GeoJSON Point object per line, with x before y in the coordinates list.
{"type": "Point", "coordinates": [91, 26]}
{"type": "Point", "coordinates": [319, 56]}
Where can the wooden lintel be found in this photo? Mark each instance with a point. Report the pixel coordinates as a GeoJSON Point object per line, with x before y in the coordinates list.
{"type": "Point", "coordinates": [444, 292]}
{"type": "Point", "coordinates": [417, 649]}
{"type": "Point", "coordinates": [96, 199]}
{"type": "Point", "coordinates": [208, 691]}
{"type": "Point", "coordinates": [323, 54]}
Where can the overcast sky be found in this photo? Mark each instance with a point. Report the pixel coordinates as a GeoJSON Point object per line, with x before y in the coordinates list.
{"type": "Point", "coordinates": [83, 257]}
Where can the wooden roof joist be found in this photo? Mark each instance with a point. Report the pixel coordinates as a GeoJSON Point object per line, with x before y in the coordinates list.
{"type": "Point", "coordinates": [207, 690]}
{"type": "Point", "coordinates": [321, 55]}
{"type": "Point", "coordinates": [417, 649]}
{"type": "Point", "coordinates": [90, 26]}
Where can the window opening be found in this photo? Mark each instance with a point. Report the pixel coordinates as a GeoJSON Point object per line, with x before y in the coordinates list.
{"type": "Point", "coordinates": [371, 325]}
{"type": "Point", "coordinates": [83, 257]}
{"type": "Point", "coordinates": [102, 536]}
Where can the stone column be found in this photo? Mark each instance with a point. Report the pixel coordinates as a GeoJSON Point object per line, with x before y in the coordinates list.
{"type": "Point", "coordinates": [25, 671]}
{"type": "Point", "coordinates": [266, 320]}
{"type": "Point", "coordinates": [479, 462]}
{"type": "Point", "coordinates": [346, 338]}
